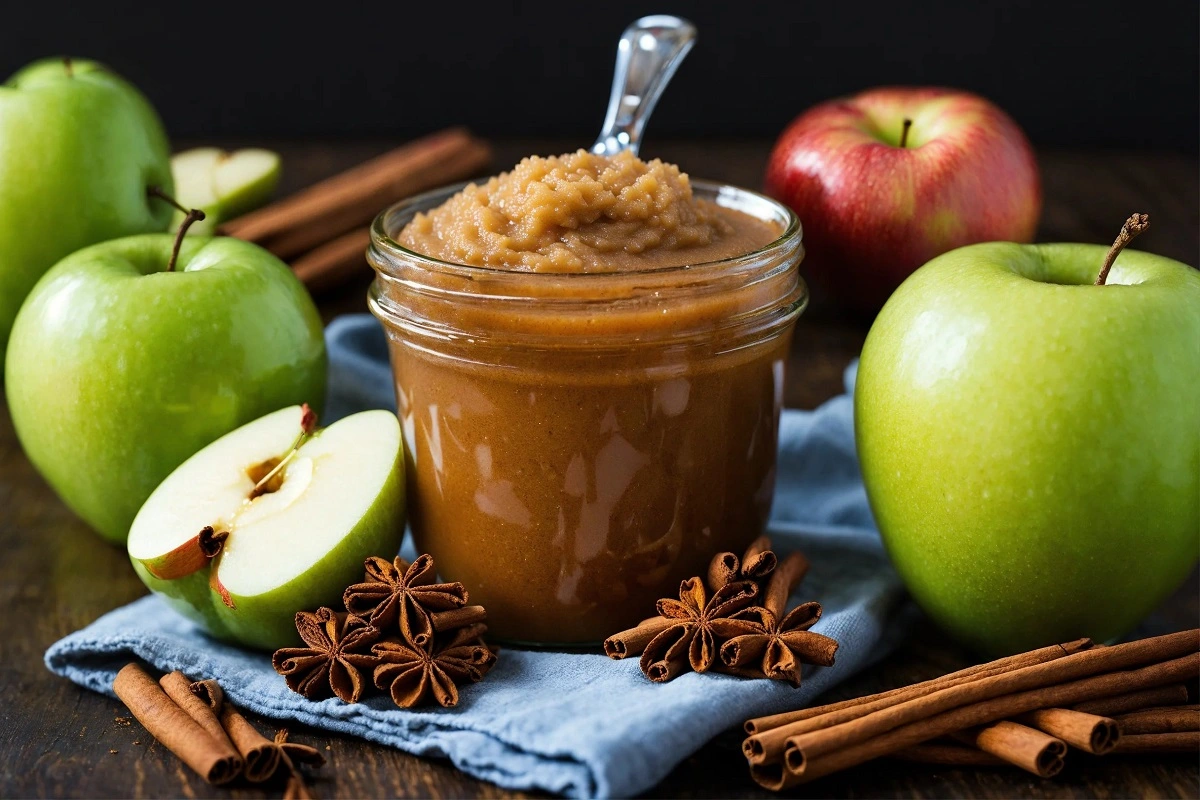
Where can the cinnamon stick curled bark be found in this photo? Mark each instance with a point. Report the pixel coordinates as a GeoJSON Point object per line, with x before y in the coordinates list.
{"type": "Point", "coordinates": [179, 688]}
{"type": "Point", "coordinates": [1089, 732]}
{"type": "Point", "coordinates": [260, 755]}
{"type": "Point", "coordinates": [171, 725]}
{"type": "Point", "coordinates": [1160, 720]}
{"type": "Point", "coordinates": [1084, 676]}
{"type": "Point", "coordinates": [633, 641]}
{"type": "Point", "coordinates": [954, 755]}
{"type": "Point", "coordinates": [1019, 745]}
{"type": "Point", "coordinates": [769, 734]}
{"type": "Point", "coordinates": [1135, 701]}
{"type": "Point", "coordinates": [339, 204]}
{"type": "Point", "coordinates": [1188, 742]}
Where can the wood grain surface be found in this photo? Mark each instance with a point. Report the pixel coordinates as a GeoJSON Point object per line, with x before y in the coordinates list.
{"type": "Point", "coordinates": [56, 576]}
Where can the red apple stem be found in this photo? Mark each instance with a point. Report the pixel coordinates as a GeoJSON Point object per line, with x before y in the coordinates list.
{"type": "Point", "coordinates": [308, 424]}
{"type": "Point", "coordinates": [904, 132]}
{"type": "Point", "coordinates": [1129, 231]}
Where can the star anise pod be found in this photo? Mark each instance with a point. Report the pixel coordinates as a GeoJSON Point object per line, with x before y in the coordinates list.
{"type": "Point", "coordinates": [291, 754]}
{"type": "Point", "coordinates": [411, 673]}
{"type": "Point", "coordinates": [396, 591]}
{"type": "Point", "coordinates": [337, 650]}
{"type": "Point", "coordinates": [700, 625]}
{"type": "Point", "coordinates": [780, 648]}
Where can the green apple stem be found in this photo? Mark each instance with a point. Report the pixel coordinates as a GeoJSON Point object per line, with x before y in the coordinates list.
{"type": "Point", "coordinates": [308, 424]}
{"type": "Point", "coordinates": [190, 215]}
{"type": "Point", "coordinates": [1129, 231]}
{"type": "Point", "coordinates": [904, 132]}
{"type": "Point", "coordinates": [67, 67]}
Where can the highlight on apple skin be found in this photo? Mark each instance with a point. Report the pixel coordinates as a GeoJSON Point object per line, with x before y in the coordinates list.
{"type": "Point", "coordinates": [887, 179]}
{"type": "Point", "coordinates": [263, 522]}
{"type": "Point", "coordinates": [1030, 442]}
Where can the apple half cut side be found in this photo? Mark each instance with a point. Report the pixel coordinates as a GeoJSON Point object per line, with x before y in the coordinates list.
{"type": "Point", "coordinates": [241, 563]}
{"type": "Point", "coordinates": [222, 184]}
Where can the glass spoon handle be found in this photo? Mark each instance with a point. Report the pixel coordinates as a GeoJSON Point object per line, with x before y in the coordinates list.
{"type": "Point", "coordinates": [648, 54]}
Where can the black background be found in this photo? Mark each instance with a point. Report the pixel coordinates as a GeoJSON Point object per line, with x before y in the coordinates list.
{"type": "Point", "coordinates": [1100, 73]}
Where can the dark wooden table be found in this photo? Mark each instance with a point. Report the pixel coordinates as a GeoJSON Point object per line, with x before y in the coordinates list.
{"type": "Point", "coordinates": [57, 576]}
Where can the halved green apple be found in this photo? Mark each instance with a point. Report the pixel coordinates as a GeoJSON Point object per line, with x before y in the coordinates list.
{"type": "Point", "coordinates": [254, 528]}
{"type": "Point", "coordinates": [223, 185]}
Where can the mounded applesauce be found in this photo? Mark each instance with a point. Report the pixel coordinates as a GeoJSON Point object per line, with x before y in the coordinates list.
{"type": "Point", "coordinates": [589, 357]}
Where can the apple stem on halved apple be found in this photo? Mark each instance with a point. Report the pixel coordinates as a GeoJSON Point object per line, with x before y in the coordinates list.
{"type": "Point", "coordinates": [904, 132]}
{"type": "Point", "coordinates": [308, 424]}
{"type": "Point", "coordinates": [191, 215]}
{"type": "Point", "coordinates": [191, 556]}
{"type": "Point", "coordinates": [1129, 231]}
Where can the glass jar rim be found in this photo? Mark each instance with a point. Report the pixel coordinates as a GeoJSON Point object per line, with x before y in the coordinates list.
{"type": "Point", "coordinates": [790, 236]}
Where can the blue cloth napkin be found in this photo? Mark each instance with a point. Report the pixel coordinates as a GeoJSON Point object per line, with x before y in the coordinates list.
{"type": "Point", "coordinates": [574, 724]}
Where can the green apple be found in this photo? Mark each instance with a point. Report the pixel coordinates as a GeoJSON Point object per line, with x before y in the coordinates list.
{"type": "Point", "coordinates": [325, 503]}
{"type": "Point", "coordinates": [1030, 442]}
{"type": "Point", "coordinates": [223, 185]}
{"type": "Point", "coordinates": [78, 148]}
{"type": "Point", "coordinates": [121, 367]}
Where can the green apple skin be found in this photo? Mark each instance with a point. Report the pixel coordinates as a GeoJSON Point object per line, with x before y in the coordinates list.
{"type": "Point", "coordinates": [118, 370]}
{"type": "Point", "coordinates": [268, 621]}
{"type": "Point", "coordinates": [78, 148]}
{"type": "Point", "coordinates": [1030, 443]}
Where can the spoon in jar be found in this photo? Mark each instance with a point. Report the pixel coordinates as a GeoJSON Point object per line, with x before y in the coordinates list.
{"type": "Point", "coordinates": [648, 54]}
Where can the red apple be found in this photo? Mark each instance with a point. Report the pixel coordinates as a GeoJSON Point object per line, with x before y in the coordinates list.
{"type": "Point", "coordinates": [876, 202]}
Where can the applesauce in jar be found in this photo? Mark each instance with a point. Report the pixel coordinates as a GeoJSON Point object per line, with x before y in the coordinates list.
{"type": "Point", "coordinates": [589, 356]}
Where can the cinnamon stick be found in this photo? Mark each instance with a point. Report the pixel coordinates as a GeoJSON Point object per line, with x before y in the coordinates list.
{"type": "Point", "coordinates": [171, 725]}
{"type": "Point", "coordinates": [783, 581]}
{"type": "Point", "coordinates": [1188, 742]}
{"type": "Point", "coordinates": [1135, 701]}
{"type": "Point", "coordinates": [339, 204]}
{"type": "Point", "coordinates": [334, 262]}
{"type": "Point", "coordinates": [1019, 745]}
{"type": "Point", "coordinates": [952, 755]}
{"type": "Point", "coordinates": [457, 618]}
{"type": "Point", "coordinates": [179, 689]}
{"type": "Point", "coordinates": [722, 569]}
{"type": "Point", "coordinates": [260, 755]}
{"type": "Point", "coordinates": [1008, 664]}
{"type": "Point", "coordinates": [633, 641]}
{"type": "Point", "coordinates": [812, 755]}
{"type": "Point", "coordinates": [1091, 733]}
{"type": "Point", "coordinates": [769, 734]}
{"type": "Point", "coordinates": [1160, 720]}
{"type": "Point", "coordinates": [759, 560]}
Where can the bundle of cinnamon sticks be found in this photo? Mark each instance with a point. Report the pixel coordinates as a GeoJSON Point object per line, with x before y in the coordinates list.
{"type": "Point", "coordinates": [195, 722]}
{"type": "Point", "coordinates": [1023, 710]}
{"type": "Point", "coordinates": [323, 231]}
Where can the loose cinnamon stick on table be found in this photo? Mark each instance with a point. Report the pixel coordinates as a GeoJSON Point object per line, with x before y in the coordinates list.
{"type": "Point", "coordinates": [1160, 720]}
{"type": "Point", "coordinates": [259, 754]}
{"type": "Point", "coordinates": [883, 699]}
{"type": "Point", "coordinates": [171, 725]}
{"type": "Point", "coordinates": [203, 710]}
{"type": "Point", "coordinates": [769, 734]}
{"type": "Point", "coordinates": [1019, 745]}
{"type": "Point", "coordinates": [328, 209]}
{"type": "Point", "coordinates": [1135, 701]}
{"type": "Point", "coordinates": [1091, 733]}
{"type": "Point", "coordinates": [338, 260]}
{"type": "Point", "coordinates": [1188, 742]}
{"type": "Point", "coordinates": [812, 755]}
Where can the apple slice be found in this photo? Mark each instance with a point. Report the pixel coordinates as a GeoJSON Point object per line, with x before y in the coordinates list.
{"type": "Point", "coordinates": [269, 520]}
{"type": "Point", "coordinates": [223, 185]}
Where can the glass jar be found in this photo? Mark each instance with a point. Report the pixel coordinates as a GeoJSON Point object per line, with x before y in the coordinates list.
{"type": "Point", "coordinates": [577, 444]}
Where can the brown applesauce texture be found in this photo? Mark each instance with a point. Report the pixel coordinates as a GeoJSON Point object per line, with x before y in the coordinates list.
{"type": "Point", "coordinates": [570, 484]}
{"type": "Point", "coordinates": [582, 212]}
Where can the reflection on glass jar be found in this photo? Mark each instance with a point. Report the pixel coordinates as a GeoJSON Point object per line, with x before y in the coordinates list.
{"type": "Point", "coordinates": [580, 443]}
